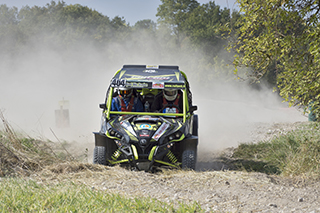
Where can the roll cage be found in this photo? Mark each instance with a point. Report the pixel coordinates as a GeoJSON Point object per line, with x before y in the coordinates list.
{"type": "Point", "coordinates": [144, 77]}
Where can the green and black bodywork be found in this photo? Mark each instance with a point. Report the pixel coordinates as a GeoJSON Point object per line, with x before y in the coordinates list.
{"type": "Point", "coordinates": [147, 140]}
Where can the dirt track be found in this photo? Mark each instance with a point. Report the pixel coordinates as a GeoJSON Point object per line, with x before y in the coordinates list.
{"type": "Point", "coordinates": [222, 191]}
{"type": "Point", "coordinates": [217, 189]}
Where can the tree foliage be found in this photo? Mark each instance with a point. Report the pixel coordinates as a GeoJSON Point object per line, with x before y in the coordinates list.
{"type": "Point", "coordinates": [283, 36]}
{"type": "Point", "coordinates": [146, 24]}
{"type": "Point", "coordinates": [202, 28]}
{"type": "Point", "coordinates": [205, 24]}
{"type": "Point", "coordinates": [8, 28]}
{"type": "Point", "coordinates": [175, 12]}
{"type": "Point", "coordinates": [184, 28]}
{"type": "Point", "coordinates": [59, 24]}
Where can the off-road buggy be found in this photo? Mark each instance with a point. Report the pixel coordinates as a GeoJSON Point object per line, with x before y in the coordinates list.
{"type": "Point", "coordinates": [148, 140]}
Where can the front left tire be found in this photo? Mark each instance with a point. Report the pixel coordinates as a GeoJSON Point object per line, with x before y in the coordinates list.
{"type": "Point", "coordinates": [189, 159]}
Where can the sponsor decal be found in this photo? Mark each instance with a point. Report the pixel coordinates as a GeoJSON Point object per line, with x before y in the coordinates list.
{"type": "Point", "coordinates": [171, 110]}
{"type": "Point", "coordinates": [145, 126]}
{"type": "Point", "coordinates": [157, 85]}
{"type": "Point", "coordinates": [144, 133]}
{"type": "Point", "coordinates": [152, 66]}
{"type": "Point", "coordinates": [160, 131]}
{"type": "Point", "coordinates": [118, 82]}
{"type": "Point", "coordinates": [150, 71]}
{"type": "Point", "coordinates": [174, 85]}
{"type": "Point", "coordinates": [136, 84]}
{"type": "Point", "coordinates": [147, 118]}
{"type": "Point", "coordinates": [127, 126]}
{"type": "Point", "coordinates": [150, 77]}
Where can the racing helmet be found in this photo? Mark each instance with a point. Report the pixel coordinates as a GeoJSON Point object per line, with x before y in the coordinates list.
{"type": "Point", "coordinates": [170, 94]}
{"type": "Point", "coordinates": [125, 92]}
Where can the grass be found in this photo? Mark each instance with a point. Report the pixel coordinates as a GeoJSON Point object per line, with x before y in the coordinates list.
{"type": "Point", "coordinates": [20, 157]}
{"type": "Point", "coordinates": [296, 153]}
{"type": "Point", "coordinates": [19, 195]}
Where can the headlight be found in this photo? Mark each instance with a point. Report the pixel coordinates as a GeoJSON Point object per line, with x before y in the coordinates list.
{"type": "Point", "coordinates": [113, 132]}
{"type": "Point", "coordinates": [174, 136]}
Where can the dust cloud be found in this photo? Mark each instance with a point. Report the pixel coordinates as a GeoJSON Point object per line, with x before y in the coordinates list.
{"type": "Point", "coordinates": [33, 82]}
{"type": "Point", "coordinates": [228, 114]}
{"type": "Point", "coordinates": [234, 113]}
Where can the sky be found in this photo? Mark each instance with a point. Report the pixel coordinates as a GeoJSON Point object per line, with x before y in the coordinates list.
{"type": "Point", "coordinates": [131, 10]}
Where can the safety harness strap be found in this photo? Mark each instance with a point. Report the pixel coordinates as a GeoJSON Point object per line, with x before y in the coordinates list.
{"type": "Point", "coordinates": [175, 104]}
{"type": "Point", "coordinates": [124, 107]}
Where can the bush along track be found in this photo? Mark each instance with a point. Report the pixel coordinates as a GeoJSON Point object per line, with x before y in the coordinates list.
{"type": "Point", "coordinates": [290, 154]}
{"type": "Point", "coordinates": [23, 155]}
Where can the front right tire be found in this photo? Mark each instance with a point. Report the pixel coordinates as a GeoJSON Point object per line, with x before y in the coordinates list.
{"type": "Point", "coordinates": [99, 155]}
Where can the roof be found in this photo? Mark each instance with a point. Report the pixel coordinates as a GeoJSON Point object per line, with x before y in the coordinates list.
{"type": "Point", "coordinates": [151, 77]}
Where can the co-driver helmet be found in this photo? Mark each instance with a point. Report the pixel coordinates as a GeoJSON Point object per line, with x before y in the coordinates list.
{"type": "Point", "coordinates": [170, 94]}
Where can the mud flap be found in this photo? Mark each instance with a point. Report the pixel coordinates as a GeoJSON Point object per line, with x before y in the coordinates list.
{"type": "Point", "coordinates": [190, 143]}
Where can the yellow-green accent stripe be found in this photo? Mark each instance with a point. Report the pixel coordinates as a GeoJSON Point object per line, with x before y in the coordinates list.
{"type": "Point", "coordinates": [166, 163]}
{"type": "Point", "coordinates": [152, 153]}
{"type": "Point", "coordinates": [119, 161]}
{"type": "Point", "coordinates": [135, 152]}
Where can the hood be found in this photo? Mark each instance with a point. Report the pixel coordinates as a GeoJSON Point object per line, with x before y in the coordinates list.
{"type": "Point", "coordinates": [145, 131]}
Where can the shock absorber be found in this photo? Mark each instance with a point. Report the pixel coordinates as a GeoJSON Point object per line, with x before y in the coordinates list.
{"type": "Point", "coordinates": [171, 157]}
{"type": "Point", "coordinates": [116, 154]}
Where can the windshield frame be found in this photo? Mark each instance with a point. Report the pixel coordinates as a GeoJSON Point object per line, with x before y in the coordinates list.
{"type": "Point", "coordinates": [183, 114]}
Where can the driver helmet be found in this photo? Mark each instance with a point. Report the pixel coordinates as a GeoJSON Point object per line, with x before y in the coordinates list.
{"type": "Point", "coordinates": [170, 94]}
{"type": "Point", "coordinates": [125, 92]}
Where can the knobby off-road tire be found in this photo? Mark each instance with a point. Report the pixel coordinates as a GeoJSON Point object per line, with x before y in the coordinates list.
{"type": "Point", "coordinates": [189, 159]}
{"type": "Point", "coordinates": [99, 155]}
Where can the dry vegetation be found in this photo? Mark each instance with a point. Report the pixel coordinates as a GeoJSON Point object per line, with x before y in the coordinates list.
{"type": "Point", "coordinates": [184, 191]}
{"type": "Point", "coordinates": [21, 156]}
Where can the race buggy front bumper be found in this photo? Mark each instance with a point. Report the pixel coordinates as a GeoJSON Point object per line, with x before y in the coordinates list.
{"type": "Point", "coordinates": [127, 153]}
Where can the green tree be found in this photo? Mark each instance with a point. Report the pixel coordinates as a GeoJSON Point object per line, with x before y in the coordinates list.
{"type": "Point", "coordinates": [82, 23]}
{"type": "Point", "coordinates": [62, 25]}
{"type": "Point", "coordinates": [283, 35]}
{"type": "Point", "coordinates": [174, 13]}
{"type": "Point", "coordinates": [146, 24]}
{"type": "Point", "coordinates": [39, 24]}
{"type": "Point", "coordinates": [8, 15]}
{"type": "Point", "coordinates": [205, 27]}
{"type": "Point", "coordinates": [9, 32]}
{"type": "Point", "coordinates": [58, 26]}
